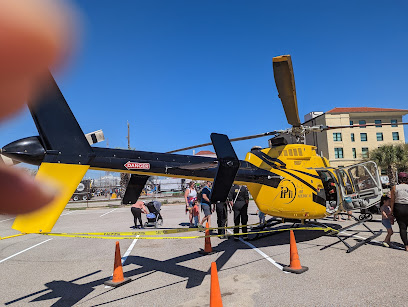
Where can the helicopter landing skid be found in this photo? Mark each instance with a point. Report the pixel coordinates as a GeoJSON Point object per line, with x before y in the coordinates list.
{"type": "Point", "coordinates": [342, 238]}
{"type": "Point", "coordinates": [267, 226]}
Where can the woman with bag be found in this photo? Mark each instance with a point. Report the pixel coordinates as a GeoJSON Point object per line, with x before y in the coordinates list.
{"type": "Point", "coordinates": [399, 206]}
{"type": "Point", "coordinates": [190, 195]}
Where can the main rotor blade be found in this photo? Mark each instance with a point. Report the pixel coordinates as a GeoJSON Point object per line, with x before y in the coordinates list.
{"type": "Point", "coordinates": [356, 126]}
{"type": "Point", "coordinates": [285, 83]}
{"type": "Point", "coordinates": [249, 137]}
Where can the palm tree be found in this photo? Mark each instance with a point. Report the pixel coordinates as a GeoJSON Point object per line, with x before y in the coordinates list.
{"type": "Point", "coordinates": [390, 157]}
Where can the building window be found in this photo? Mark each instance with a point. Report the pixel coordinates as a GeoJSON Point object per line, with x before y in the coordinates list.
{"type": "Point", "coordinates": [351, 123]}
{"type": "Point", "coordinates": [362, 122]}
{"type": "Point", "coordinates": [363, 137]}
{"type": "Point", "coordinates": [337, 137]}
{"type": "Point", "coordinates": [378, 123]}
{"type": "Point", "coordinates": [395, 136]}
{"type": "Point", "coordinates": [364, 152]}
{"type": "Point", "coordinates": [380, 136]}
{"type": "Point", "coordinates": [338, 153]}
{"type": "Point", "coordinates": [354, 153]}
{"type": "Point", "coordinates": [352, 137]}
{"type": "Point", "coordinates": [394, 122]}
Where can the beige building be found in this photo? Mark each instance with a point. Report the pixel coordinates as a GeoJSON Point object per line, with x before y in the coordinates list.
{"type": "Point", "coordinates": [348, 146]}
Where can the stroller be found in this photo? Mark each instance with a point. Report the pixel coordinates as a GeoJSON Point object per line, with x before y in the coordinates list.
{"type": "Point", "coordinates": [154, 218]}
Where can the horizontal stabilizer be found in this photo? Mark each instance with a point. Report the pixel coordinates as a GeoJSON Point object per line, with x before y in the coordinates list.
{"type": "Point", "coordinates": [134, 188]}
{"type": "Point", "coordinates": [66, 178]}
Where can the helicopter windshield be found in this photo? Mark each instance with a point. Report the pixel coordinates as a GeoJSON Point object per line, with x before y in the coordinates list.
{"type": "Point", "coordinates": [345, 182]}
{"type": "Point", "coordinates": [362, 182]}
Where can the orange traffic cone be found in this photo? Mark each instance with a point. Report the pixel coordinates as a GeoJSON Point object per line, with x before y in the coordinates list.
{"type": "Point", "coordinates": [295, 266]}
{"type": "Point", "coordinates": [207, 246]}
{"type": "Point", "coordinates": [118, 278]}
{"type": "Point", "coordinates": [215, 292]}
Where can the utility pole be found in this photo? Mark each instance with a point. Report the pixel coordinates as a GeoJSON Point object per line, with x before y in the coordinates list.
{"type": "Point", "coordinates": [107, 146]}
{"type": "Point", "coordinates": [128, 136]}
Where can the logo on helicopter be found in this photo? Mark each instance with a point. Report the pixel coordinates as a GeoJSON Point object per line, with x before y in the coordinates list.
{"type": "Point", "coordinates": [287, 191]}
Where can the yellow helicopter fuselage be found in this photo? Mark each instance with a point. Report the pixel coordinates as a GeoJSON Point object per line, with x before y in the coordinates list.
{"type": "Point", "coordinates": [296, 196]}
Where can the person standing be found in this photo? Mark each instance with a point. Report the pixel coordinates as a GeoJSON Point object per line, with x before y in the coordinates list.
{"type": "Point", "coordinates": [386, 218]}
{"type": "Point", "coordinates": [399, 206]}
{"type": "Point", "coordinates": [137, 209]}
{"type": "Point", "coordinates": [206, 203]}
{"type": "Point", "coordinates": [239, 199]}
{"type": "Point", "coordinates": [222, 217]}
{"type": "Point", "coordinates": [190, 196]}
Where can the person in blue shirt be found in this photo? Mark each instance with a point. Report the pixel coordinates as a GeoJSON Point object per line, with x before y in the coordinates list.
{"type": "Point", "coordinates": [206, 203]}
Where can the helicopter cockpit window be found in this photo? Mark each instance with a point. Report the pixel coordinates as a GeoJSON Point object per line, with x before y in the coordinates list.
{"type": "Point", "coordinates": [345, 181]}
{"type": "Point", "coordinates": [366, 182]}
{"type": "Point", "coordinates": [363, 177]}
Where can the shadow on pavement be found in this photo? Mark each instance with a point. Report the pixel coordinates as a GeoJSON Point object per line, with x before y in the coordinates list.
{"type": "Point", "coordinates": [70, 292]}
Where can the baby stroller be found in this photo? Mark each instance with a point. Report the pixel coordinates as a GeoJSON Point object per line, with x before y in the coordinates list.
{"type": "Point", "coordinates": [154, 218]}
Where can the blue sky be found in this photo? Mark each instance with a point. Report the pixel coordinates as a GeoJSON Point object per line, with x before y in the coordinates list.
{"type": "Point", "coordinates": [180, 70]}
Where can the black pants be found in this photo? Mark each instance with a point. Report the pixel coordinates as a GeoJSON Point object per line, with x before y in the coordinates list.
{"type": "Point", "coordinates": [137, 215]}
{"type": "Point", "coordinates": [240, 216]}
{"type": "Point", "coordinates": [222, 217]}
{"type": "Point", "coordinates": [401, 215]}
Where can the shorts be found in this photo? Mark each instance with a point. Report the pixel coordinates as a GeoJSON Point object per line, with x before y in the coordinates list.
{"type": "Point", "coordinates": [206, 208]}
{"type": "Point", "coordinates": [386, 223]}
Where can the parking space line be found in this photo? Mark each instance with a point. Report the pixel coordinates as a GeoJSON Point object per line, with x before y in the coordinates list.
{"type": "Point", "coordinates": [108, 212]}
{"type": "Point", "coordinates": [7, 220]}
{"type": "Point", "coordinates": [129, 250]}
{"type": "Point", "coordinates": [24, 250]}
{"type": "Point", "coordinates": [261, 253]}
{"type": "Point", "coordinates": [67, 213]}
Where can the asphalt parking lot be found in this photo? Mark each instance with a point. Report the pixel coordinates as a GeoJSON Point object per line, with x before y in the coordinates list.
{"type": "Point", "coordinates": [59, 271]}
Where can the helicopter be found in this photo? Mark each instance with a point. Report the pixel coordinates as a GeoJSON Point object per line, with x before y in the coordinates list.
{"type": "Point", "coordinates": [287, 179]}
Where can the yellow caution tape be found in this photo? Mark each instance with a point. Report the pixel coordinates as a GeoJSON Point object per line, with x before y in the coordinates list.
{"type": "Point", "coordinates": [136, 235]}
{"type": "Point", "coordinates": [17, 235]}
{"type": "Point", "coordinates": [150, 232]}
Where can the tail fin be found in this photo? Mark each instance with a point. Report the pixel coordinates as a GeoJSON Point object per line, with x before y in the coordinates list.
{"type": "Point", "coordinates": [66, 177]}
{"type": "Point", "coordinates": [55, 122]}
{"type": "Point", "coordinates": [67, 154]}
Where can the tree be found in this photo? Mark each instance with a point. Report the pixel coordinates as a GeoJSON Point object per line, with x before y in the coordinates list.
{"type": "Point", "coordinates": [390, 157]}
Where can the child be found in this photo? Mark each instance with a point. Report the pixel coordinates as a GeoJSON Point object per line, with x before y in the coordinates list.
{"type": "Point", "coordinates": [387, 218]}
{"type": "Point", "coordinates": [261, 216]}
{"type": "Point", "coordinates": [196, 213]}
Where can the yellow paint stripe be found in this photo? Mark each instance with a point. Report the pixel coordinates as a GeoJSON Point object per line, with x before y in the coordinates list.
{"type": "Point", "coordinates": [66, 178]}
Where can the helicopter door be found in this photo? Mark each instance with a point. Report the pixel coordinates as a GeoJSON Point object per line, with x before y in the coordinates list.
{"type": "Point", "coordinates": [330, 190]}
{"type": "Point", "coordinates": [366, 183]}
